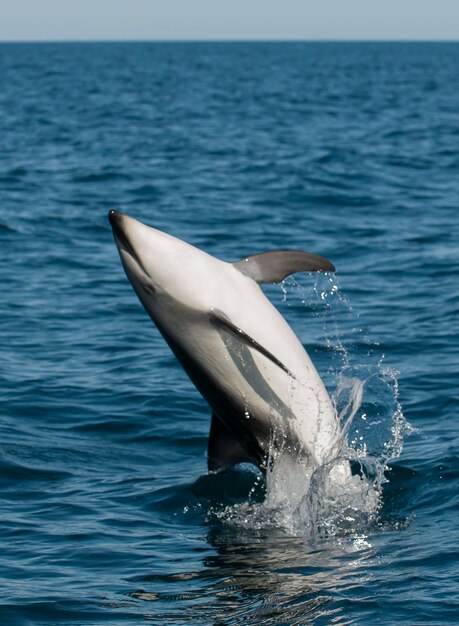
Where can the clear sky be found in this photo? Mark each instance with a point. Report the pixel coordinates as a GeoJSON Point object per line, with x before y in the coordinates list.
{"type": "Point", "coordinates": [228, 19]}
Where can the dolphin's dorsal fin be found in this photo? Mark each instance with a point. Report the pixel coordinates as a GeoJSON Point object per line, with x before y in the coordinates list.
{"type": "Point", "coordinates": [273, 267]}
{"type": "Point", "coordinates": [224, 449]}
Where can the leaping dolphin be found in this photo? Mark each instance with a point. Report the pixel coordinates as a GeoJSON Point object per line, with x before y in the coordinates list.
{"type": "Point", "coordinates": [240, 353]}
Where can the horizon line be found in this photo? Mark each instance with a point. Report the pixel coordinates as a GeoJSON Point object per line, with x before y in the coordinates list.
{"type": "Point", "coordinates": [228, 40]}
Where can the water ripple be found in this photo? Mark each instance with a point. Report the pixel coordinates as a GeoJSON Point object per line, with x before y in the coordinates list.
{"type": "Point", "coordinates": [349, 150]}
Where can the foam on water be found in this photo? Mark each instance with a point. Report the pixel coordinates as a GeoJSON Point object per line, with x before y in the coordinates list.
{"type": "Point", "coordinates": [343, 495]}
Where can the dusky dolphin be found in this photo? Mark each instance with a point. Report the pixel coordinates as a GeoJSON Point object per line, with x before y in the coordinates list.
{"type": "Point", "coordinates": [238, 350]}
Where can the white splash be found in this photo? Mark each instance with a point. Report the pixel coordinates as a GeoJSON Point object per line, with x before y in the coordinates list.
{"type": "Point", "coordinates": [342, 496]}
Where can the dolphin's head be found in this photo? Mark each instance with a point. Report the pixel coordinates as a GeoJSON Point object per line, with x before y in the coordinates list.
{"type": "Point", "coordinates": [163, 268]}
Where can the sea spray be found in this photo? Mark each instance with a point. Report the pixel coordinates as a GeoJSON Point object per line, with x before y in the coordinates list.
{"type": "Point", "coordinates": [343, 494]}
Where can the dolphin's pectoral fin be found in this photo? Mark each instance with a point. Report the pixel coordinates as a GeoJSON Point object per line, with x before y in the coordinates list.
{"type": "Point", "coordinates": [221, 320]}
{"type": "Point", "coordinates": [273, 267]}
{"type": "Point", "coordinates": [224, 449]}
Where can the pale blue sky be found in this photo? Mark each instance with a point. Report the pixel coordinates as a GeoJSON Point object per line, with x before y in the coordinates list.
{"type": "Point", "coordinates": [228, 19]}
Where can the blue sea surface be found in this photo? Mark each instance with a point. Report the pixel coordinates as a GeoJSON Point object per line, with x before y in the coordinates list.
{"type": "Point", "coordinates": [348, 150]}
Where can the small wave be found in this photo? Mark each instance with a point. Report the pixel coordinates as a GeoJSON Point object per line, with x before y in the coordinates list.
{"type": "Point", "coordinates": [12, 472]}
{"type": "Point", "coordinates": [6, 228]}
{"type": "Point", "coordinates": [99, 177]}
{"type": "Point", "coordinates": [145, 192]}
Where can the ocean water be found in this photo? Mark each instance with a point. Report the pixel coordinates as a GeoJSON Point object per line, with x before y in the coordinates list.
{"type": "Point", "coordinates": [348, 150]}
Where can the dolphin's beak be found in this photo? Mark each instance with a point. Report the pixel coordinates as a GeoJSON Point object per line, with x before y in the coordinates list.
{"type": "Point", "coordinates": [116, 219]}
{"type": "Point", "coordinates": [119, 223]}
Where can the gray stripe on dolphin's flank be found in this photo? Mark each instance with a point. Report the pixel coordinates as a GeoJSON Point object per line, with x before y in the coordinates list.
{"type": "Point", "coordinates": [239, 350]}
{"type": "Point", "coordinates": [219, 319]}
{"type": "Point", "coordinates": [244, 361]}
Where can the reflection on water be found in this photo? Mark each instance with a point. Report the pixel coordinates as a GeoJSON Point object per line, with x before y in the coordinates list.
{"type": "Point", "coordinates": [262, 578]}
